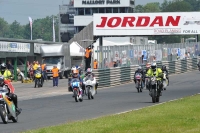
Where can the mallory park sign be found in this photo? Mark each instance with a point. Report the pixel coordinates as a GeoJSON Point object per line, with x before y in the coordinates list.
{"type": "Point", "coordinates": [99, 2]}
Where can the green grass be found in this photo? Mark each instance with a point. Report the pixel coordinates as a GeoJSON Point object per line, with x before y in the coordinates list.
{"type": "Point", "coordinates": [180, 116]}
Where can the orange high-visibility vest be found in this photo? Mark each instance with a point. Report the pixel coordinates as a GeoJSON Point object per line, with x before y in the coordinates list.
{"type": "Point", "coordinates": [55, 72]}
{"type": "Point", "coordinates": [87, 53]}
{"type": "Point", "coordinates": [43, 65]}
{"type": "Point", "coordinates": [95, 64]}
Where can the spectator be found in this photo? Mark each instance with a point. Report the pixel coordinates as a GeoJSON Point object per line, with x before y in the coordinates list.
{"type": "Point", "coordinates": [10, 67]}
{"type": "Point", "coordinates": [55, 72]}
{"type": "Point", "coordinates": [95, 64]}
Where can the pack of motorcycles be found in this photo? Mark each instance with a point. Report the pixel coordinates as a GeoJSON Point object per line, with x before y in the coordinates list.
{"type": "Point", "coordinates": [154, 86]}
{"type": "Point", "coordinates": [7, 107]}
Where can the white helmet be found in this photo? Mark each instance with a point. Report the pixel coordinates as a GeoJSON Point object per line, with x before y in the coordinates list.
{"type": "Point", "coordinates": [153, 66]}
{"type": "Point", "coordinates": [73, 68]}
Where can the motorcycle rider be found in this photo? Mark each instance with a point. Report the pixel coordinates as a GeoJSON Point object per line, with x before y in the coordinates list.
{"type": "Point", "coordinates": [89, 72]}
{"type": "Point", "coordinates": [39, 69]}
{"type": "Point", "coordinates": [164, 69]}
{"type": "Point", "coordinates": [4, 71]}
{"type": "Point", "coordinates": [141, 71]}
{"type": "Point", "coordinates": [75, 77]}
{"type": "Point", "coordinates": [10, 94]}
{"type": "Point", "coordinates": [157, 71]}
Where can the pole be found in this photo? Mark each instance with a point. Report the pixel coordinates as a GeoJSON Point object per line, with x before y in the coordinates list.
{"type": "Point", "coordinates": [25, 67]}
{"type": "Point", "coordinates": [31, 32]}
{"type": "Point", "coordinates": [15, 69]}
{"type": "Point", "coordinates": [54, 38]}
{"type": "Point", "coordinates": [101, 51]}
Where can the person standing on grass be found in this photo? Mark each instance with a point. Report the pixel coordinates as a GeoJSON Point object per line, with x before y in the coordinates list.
{"type": "Point", "coordinates": [55, 72]}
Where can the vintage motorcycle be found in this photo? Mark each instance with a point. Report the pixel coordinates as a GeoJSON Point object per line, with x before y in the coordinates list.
{"type": "Point", "coordinates": [139, 84]}
{"type": "Point", "coordinates": [77, 91]}
{"type": "Point", "coordinates": [154, 89]}
{"type": "Point", "coordinates": [90, 89]}
{"type": "Point", "coordinates": [20, 75]}
{"type": "Point", "coordinates": [38, 79]}
{"type": "Point", "coordinates": [165, 80]}
{"type": "Point", "coordinates": [7, 107]}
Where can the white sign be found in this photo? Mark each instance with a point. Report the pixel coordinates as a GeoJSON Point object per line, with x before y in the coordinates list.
{"type": "Point", "coordinates": [101, 3]}
{"type": "Point", "coordinates": [14, 47]}
{"type": "Point", "coordinates": [170, 23]}
{"type": "Point", "coordinates": [37, 47]}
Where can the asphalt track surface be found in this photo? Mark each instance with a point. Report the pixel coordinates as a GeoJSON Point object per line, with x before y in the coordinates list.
{"type": "Point", "coordinates": [53, 110]}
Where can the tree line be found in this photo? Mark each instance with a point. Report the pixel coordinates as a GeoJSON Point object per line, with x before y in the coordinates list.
{"type": "Point", "coordinates": [42, 28]}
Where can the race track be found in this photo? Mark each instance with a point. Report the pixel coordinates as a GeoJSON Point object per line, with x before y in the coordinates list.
{"type": "Point", "coordinates": [57, 109]}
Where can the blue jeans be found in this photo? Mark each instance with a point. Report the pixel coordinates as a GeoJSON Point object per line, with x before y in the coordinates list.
{"type": "Point", "coordinates": [55, 81]}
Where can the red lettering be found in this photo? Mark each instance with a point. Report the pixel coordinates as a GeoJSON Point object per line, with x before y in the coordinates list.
{"type": "Point", "coordinates": [116, 24]}
{"type": "Point", "coordinates": [142, 21]}
{"type": "Point", "coordinates": [158, 20]}
{"type": "Point", "coordinates": [146, 21]}
{"type": "Point", "coordinates": [103, 22]}
{"type": "Point", "coordinates": [171, 20]}
{"type": "Point", "coordinates": [129, 21]}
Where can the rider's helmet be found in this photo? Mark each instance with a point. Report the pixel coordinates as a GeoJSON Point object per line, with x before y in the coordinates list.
{"type": "Point", "coordinates": [89, 70]}
{"type": "Point", "coordinates": [153, 66]}
{"type": "Point", "coordinates": [3, 67]}
{"type": "Point", "coordinates": [164, 67]}
{"type": "Point", "coordinates": [1, 80]}
{"type": "Point", "coordinates": [75, 73]}
{"type": "Point", "coordinates": [139, 69]}
{"type": "Point", "coordinates": [73, 68]}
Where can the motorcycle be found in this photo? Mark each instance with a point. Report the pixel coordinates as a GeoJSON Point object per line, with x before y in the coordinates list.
{"type": "Point", "coordinates": [20, 75]}
{"type": "Point", "coordinates": [77, 91]}
{"type": "Point", "coordinates": [90, 83]}
{"type": "Point", "coordinates": [38, 79]}
{"type": "Point", "coordinates": [139, 84]}
{"type": "Point", "coordinates": [7, 107]}
{"type": "Point", "coordinates": [154, 89]}
{"type": "Point", "coordinates": [165, 80]}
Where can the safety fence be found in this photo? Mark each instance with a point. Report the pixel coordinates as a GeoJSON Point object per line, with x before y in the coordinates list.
{"type": "Point", "coordinates": [126, 55]}
{"type": "Point", "coordinates": [120, 75]}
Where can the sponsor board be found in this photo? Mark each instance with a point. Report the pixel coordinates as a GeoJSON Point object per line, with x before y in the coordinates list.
{"type": "Point", "coordinates": [173, 23]}
{"type": "Point", "coordinates": [14, 47]}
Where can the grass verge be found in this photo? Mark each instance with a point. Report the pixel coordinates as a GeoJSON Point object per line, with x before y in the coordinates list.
{"type": "Point", "coordinates": [180, 116]}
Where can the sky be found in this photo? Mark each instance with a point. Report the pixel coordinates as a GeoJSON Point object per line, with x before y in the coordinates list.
{"type": "Point", "coordinates": [20, 10]}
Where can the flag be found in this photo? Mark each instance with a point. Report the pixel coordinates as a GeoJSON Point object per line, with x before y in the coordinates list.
{"type": "Point", "coordinates": [54, 38]}
{"type": "Point", "coordinates": [31, 21]}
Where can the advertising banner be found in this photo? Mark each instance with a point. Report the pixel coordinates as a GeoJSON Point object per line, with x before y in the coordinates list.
{"type": "Point", "coordinates": [165, 52]}
{"type": "Point", "coordinates": [14, 47]}
{"type": "Point", "coordinates": [158, 54]}
{"type": "Point", "coordinates": [144, 52]}
{"type": "Point", "coordinates": [182, 53]}
{"type": "Point", "coordinates": [165, 23]}
{"type": "Point", "coordinates": [131, 53]}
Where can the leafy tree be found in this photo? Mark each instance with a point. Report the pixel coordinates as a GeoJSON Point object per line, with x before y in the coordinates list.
{"type": "Point", "coordinates": [178, 6]}
{"type": "Point", "coordinates": [4, 28]}
{"type": "Point", "coordinates": [152, 7]}
{"type": "Point", "coordinates": [195, 4]}
{"type": "Point", "coordinates": [16, 30]}
{"type": "Point", "coordinates": [139, 9]}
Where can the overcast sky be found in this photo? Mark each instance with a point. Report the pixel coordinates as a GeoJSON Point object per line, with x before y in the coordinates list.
{"type": "Point", "coordinates": [19, 10]}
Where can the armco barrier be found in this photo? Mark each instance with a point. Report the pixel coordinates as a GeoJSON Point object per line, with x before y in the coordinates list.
{"type": "Point", "coordinates": [121, 75]}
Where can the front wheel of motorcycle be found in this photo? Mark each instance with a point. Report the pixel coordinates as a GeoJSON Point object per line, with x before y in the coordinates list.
{"type": "Point", "coordinates": [157, 99]}
{"type": "Point", "coordinates": [76, 95]}
{"type": "Point", "coordinates": [15, 119]}
{"type": "Point", "coordinates": [153, 95]}
{"type": "Point", "coordinates": [88, 93]}
{"type": "Point", "coordinates": [4, 115]}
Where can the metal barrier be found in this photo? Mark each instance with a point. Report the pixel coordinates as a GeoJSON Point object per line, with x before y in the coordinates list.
{"type": "Point", "coordinates": [120, 75]}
